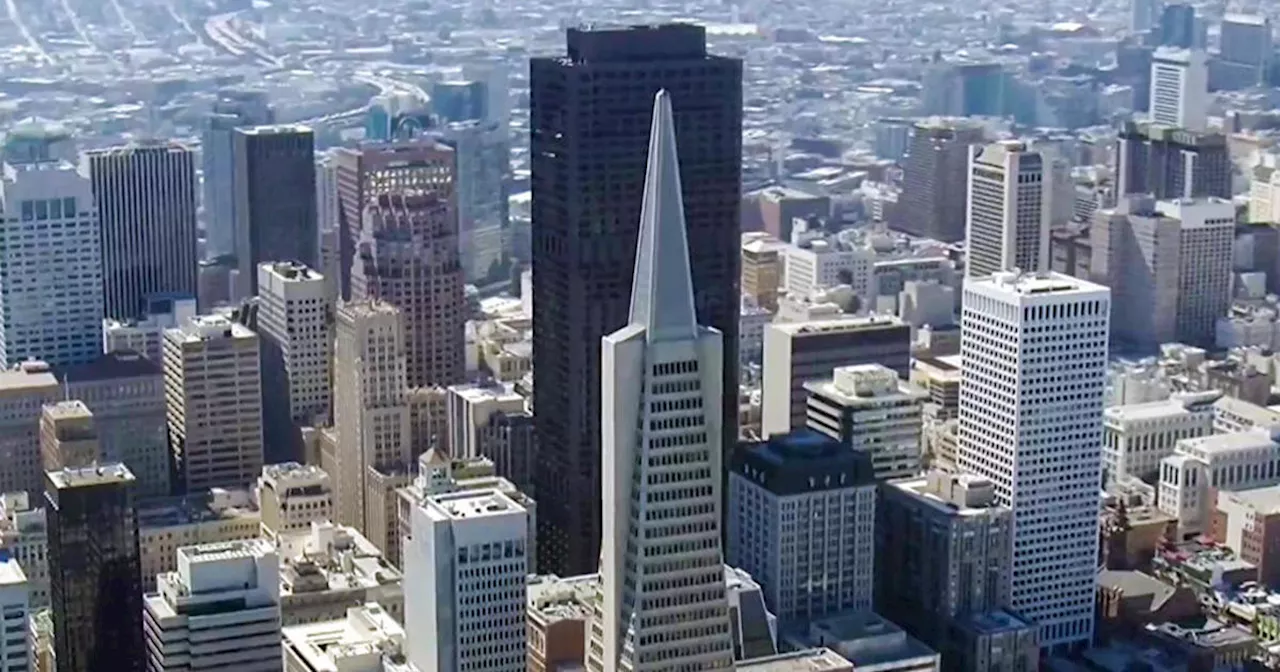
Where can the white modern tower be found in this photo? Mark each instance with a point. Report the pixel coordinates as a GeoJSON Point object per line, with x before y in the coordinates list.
{"type": "Point", "coordinates": [662, 603]}
{"type": "Point", "coordinates": [50, 266]}
{"type": "Point", "coordinates": [1031, 399]}
{"type": "Point", "coordinates": [1180, 88]}
{"type": "Point", "coordinates": [465, 566]}
{"type": "Point", "coordinates": [1010, 209]}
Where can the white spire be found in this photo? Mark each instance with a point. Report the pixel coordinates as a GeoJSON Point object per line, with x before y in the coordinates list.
{"type": "Point", "coordinates": [662, 293]}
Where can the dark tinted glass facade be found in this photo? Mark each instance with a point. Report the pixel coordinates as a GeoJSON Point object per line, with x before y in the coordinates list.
{"type": "Point", "coordinates": [94, 572]}
{"type": "Point", "coordinates": [275, 196]}
{"type": "Point", "coordinates": [590, 117]}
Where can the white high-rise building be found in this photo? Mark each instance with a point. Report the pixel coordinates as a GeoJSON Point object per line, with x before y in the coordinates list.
{"type": "Point", "coordinates": [1180, 88]}
{"type": "Point", "coordinates": [50, 266]}
{"type": "Point", "coordinates": [297, 353]}
{"type": "Point", "coordinates": [662, 602]}
{"type": "Point", "coordinates": [1010, 209]}
{"type": "Point", "coordinates": [464, 583]}
{"type": "Point", "coordinates": [15, 608]}
{"type": "Point", "coordinates": [1031, 400]}
{"type": "Point", "coordinates": [220, 611]}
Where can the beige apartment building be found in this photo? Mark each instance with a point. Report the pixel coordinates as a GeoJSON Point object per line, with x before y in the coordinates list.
{"type": "Point", "coordinates": [23, 394]}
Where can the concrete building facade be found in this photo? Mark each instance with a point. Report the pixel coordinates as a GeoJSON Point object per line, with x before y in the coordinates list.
{"type": "Point", "coordinates": [801, 520]}
{"type": "Point", "coordinates": [294, 325]}
{"type": "Point", "coordinates": [219, 611]}
{"type": "Point", "coordinates": [801, 352]}
{"type": "Point", "coordinates": [1010, 208]}
{"type": "Point", "coordinates": [869, 409]}
{"type": "Point", "coordinates": [1017, 333]}
{"type": "Point", "coordinates": [213, 385]}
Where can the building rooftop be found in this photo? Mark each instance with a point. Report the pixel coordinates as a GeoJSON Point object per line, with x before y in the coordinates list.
{"type": "Point", "coordinates": [26, 378]}
{"type": "Point", "coordinates": [994, 622]}
{"type": "Point", "coordinates": [473, 504]}
{"type": "Point", "coordinates": [10, 571]}
{"type": "Point", "coordinates": [479, 392]}
{"type": "Point", "coordinates": [1028, 285]}
{"type": "Point", "coordinates": [810, 660]}
{"type": "Point", "coordinates": [113, 365]}
{"type": "Point", "coordinates": [1178, 404]}
{"type": "Point", "coordinates": [205, 327]}
{"type": "Point", "coordinates": [1206, 447]}
{"type": "Point", "coordinates": [274, 129]}
{"type": "Point", "coordinates": [551, 598]}
{"type": "Point", "coordinates": [1137, 585]}
{"type": "Point", "coordinates": [331, 557]}
{"type": "Point", "coordinates": [868, 639]}
{"type": "Point", "coordinates": [202, 507]}
{"type": "Point", "coordinates": [852, 385]}
{"type": "Point", "coordinates": [845, 323]}
{"type": "Point", "coordinates": [802, 461]}
{"type": "Point", "coordinates": [291, 271]}
{"type": "Point", "coordinates": [359, 641]}
{"type": "Point", "coordinates": [67, 409]}
{"type": "Point", "coordinates": [1264, 500]}
{"type": "Point", "coordinates": [102, 474]}
{"type": "Point", "coordinates": [285, 471]}
{"type": "Point", "coordinates": [930, 490]}
{"type": "Point", "coordinates": [946, 367]}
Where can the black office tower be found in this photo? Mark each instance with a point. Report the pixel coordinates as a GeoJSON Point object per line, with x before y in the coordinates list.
{"type": "Point", "coordinates": [274, 185]}
{"type": "Point", "coordinates": [590, 113]}
{"type": "Point", "coordinates": [1178, 27]}
{"type": "Point", "coordinates": [94, 571]}
{"type": "Point", "coordinates": [146, 195]}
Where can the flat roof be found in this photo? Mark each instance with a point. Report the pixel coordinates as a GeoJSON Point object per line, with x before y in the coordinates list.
{"type": "Point", "coordinates": [845, 323]}
{"type": "Point", "coordinates": [811, 660]}
{"type": "Point", "coordinates": [10, 571]}
{"type": "Point", "coordinates": [1035, 284]}
{"type": "Point", "coordinates": [114, 472]}
{"type": "Point", "coordinates": [1265, 499]}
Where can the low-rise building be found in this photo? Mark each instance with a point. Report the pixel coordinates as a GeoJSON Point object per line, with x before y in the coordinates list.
{"type": "Point", "coordinates": [1249, 522]}
{"type": "Point", "coordinates": [1218, 462]}
{"type": "Point", "coordinates": [292, 496]}
{"type": "Point", "coordinates": [365, 640]}
{"type": "Point", "coordinates": [557, 613]}
{"type": "Point", "coordinates": [331, 568]}
{"type": "Point", "coordinates": [167, 524]}
{"type": "Point", "coordinates": [869, 409]}
{"type": "Point", "coordinates": [24, 535]}
{"type": "Point", "coordinates": [1137, 436]}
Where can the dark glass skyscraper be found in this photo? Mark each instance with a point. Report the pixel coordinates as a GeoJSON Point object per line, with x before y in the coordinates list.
{"type": "Point", "coordinates": [146, 196]}
{"type": "Point", "coordinates": [1178, 26]}
{"type": "Point", "coordinates": [234, 108]}
{"type": "Point", "coordinates": [590, 112]}
{"type": "Point", "coordinates": [275, 200]}
{"type": "Point", "coordinates": [94, 571]}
